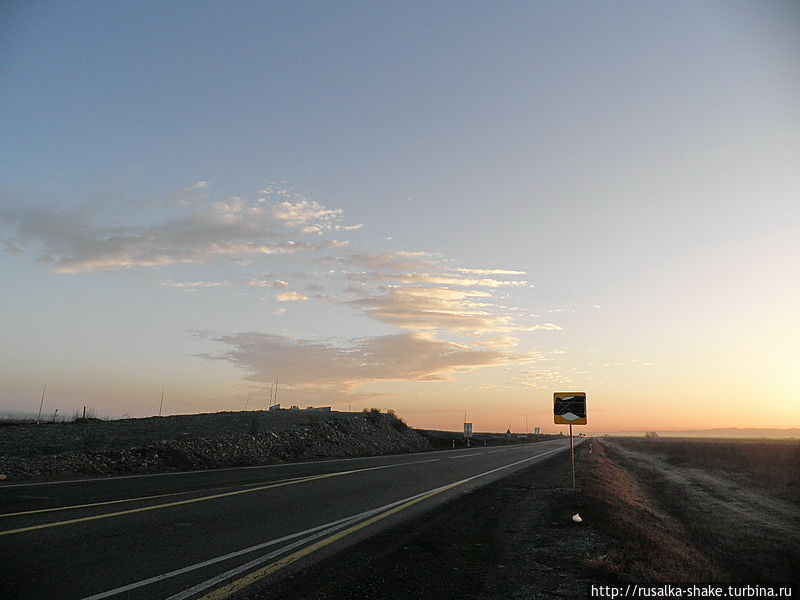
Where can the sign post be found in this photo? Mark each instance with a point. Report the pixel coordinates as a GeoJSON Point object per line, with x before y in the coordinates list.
{"type": "Point", "coordinates": [467, 432]}
{"type": "Point", "coordinates": [569, 408]}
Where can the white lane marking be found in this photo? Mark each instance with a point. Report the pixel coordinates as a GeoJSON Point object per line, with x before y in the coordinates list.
{"type": "Point", "coordinates": [402, 504]}
{"type": "Point", "coordinates": [465, 455]}
{"type": "Point", "coordinates": [138, 498]}
{"type": "Point", "coordinates": [327, 526]}
{"type": "Point", "coordinates": [221, 469]}
{"type": "Point", "coordinates": [253, 563]}
{"type": "Point", "coordinates": [282, 483]}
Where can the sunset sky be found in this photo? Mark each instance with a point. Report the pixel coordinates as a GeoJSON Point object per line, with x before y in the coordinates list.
{"type": "Point", "coordinates": [435, 207]}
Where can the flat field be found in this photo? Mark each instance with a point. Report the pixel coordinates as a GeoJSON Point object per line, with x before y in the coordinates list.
{"type": "Point", "coordinates": [698, 509]}
{"type": "Point", "coordinates": [770, 465]}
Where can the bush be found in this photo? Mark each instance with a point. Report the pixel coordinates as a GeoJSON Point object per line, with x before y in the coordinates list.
{"type": "Point", "coordinates": [397, 422]}
{"type": "Point", "coordinates": [373, 415]}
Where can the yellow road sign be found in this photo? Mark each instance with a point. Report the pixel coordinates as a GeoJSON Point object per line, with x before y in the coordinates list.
{"type": "Point", "coordinates": [569, 408]}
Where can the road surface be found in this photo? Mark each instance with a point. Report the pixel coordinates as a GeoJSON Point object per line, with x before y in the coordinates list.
{"type": "Point", "coordinates": [208, 534]}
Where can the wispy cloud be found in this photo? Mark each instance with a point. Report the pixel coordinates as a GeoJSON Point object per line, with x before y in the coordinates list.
{"type": "Point", "coordinates": [448, 317]}
{"type": "Point", "coordinates": [429, 279]}
{"type": "Point", "coordinates": [432, 308]}
{"type": "Point", "coordinates": [391, 261]}
{"type": "Point", "coordinates": [490, 272]}
{"type": "Point", "coordinates": [194, 284]}
{"type": "Point", "coordinates": [291, 297]}
{"type": "Point", "coordinates": [542, 327]}
{"type": "Point", "coordinates": [82, 239]}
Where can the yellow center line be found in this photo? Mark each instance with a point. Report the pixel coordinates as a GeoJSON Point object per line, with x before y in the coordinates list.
{"type": "Point", "coordinates": [235, 586]}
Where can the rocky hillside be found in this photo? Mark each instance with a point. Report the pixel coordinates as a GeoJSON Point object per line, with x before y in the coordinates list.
{"type": "Point", "coordinates": [362, 435]}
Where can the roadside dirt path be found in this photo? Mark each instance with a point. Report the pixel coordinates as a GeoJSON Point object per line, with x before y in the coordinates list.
{"type": "Point", "coordinates": [750, 534]}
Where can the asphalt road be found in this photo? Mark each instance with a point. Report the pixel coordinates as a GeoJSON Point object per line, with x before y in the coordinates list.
{"type": "Point", "coordinates": [210, 533]}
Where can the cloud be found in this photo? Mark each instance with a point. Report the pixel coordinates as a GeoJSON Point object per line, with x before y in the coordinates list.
{"type": "Point", "coordinates": [428, 279]}
{"type": "Point", "coordinates": [389, 260]}
{"type": "Point", "coordinates": [291, 297]}
{"type": "Point", "coordinates": [195, 284]}
{"type": "Point", "coordinates": [86, 239]}
{"type": "Point", "coordinates": [543, 327]}
{"type": "Point", "coordinates": [302, 364]}
{"type": "Point", "coordinates": [434, 308]}
{"type": "Point", "coordinates": [490, 272]}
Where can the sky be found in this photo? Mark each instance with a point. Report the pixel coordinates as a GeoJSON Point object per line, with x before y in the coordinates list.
{"type": "Point", "coordinates": [436, 207]}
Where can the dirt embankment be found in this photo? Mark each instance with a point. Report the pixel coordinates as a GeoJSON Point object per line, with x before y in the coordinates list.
{"type": "Point", "coordinates": [94, 434]}
{"type": "Point", "coordinates": [367, 435]}
{"type": "Point", "coordinates": [686, 523]}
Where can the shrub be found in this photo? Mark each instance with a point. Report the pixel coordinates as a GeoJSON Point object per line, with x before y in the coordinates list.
{"type": "Point", "coordinates": [373, 415]}
{"type": "Point", "coordinates": [397, 422]}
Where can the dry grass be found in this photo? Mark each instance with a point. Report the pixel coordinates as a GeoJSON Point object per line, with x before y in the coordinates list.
{"type": "Point", "coordinates": [771, 465]}
{"type": "Point", "coordinates": [652, 544]}
{"type": "Point", "coordinates": [668, 502]}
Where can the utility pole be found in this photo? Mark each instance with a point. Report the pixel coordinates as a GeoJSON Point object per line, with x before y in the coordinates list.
{"type": "Point", "coordinates": [41, 404]}
{"type": "Point", "coordinates": [276, 391]}
{"type": "Point", "coordinates": [270, 396]}
{"type": "Point", "coordinates": [161, 406]}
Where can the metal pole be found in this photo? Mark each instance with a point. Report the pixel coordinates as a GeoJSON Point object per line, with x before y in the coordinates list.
{"type": "Point", "coordinates": [41, 404]}
{"type": "Point", "coordinates": [572, 452]}
{"type": "Point", "coordinates": [160, 406]}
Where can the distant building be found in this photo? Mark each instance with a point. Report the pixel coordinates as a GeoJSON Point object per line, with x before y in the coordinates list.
{"type": "Point", "coordinates": [277, 407]}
